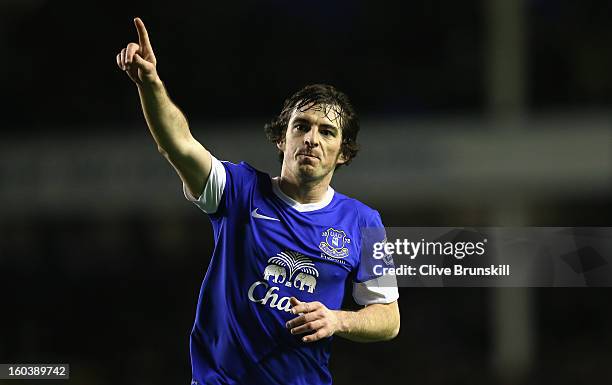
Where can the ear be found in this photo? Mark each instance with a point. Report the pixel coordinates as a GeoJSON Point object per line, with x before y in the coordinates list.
{"type": "Point", "coordinates": [281, 145]}
{"type": "Point", "coordinates": [341, 159]}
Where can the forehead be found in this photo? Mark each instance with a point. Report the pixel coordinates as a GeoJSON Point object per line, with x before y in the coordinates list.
{"type": "Point", "coordinates": [321, 113]}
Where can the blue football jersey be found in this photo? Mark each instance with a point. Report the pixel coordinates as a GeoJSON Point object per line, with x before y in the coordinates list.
{"type": "Point", "coordinates": [269, 248]}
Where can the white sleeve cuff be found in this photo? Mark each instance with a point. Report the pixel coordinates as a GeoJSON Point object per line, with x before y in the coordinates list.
{"type": "Point", "coordinates": [378, 290]}
{"type": "Point", "coordinates": [210, 198]}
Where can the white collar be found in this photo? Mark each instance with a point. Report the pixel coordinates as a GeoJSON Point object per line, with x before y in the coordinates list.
{"type": "Point", "coordinates": [302, 207]}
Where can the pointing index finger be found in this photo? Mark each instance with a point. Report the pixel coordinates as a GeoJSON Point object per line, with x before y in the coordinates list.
{"type": "Point", "coordinates": [143, 36]}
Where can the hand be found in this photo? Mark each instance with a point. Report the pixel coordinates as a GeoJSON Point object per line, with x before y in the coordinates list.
{"type": "Point", "coordinates": [314, 317]}
{"type": "Point", "coordinates": [138, 60]}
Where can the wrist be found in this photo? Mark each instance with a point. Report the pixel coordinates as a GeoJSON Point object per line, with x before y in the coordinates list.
{"type": "Point", "coordinates": [344, 325]}
{"type": "Point", "coordinates": [154, 84]}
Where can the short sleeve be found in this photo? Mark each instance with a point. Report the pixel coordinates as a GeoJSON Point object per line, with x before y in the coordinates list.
{"type": "Point", "coordinates": [368, 286]}
{"type": "Point", "coordinates": [210, 198]}
{"type": "Point", "coordinates": [227, 189]}
{"type": "Point", "coordinates": [375, 290]}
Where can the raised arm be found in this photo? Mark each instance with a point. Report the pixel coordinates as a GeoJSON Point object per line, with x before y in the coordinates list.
{"type": "Point", "coordinates": [166, 122]}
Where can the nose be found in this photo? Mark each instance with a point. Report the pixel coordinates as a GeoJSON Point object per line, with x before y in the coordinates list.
{"type": "Point", "coordinates": [311, 138]}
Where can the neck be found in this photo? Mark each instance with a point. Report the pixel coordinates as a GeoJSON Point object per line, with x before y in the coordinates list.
{"type": "Point", "coordinates": [304, 190]}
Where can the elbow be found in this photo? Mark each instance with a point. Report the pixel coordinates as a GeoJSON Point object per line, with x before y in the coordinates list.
{"type": "Point", "coordinates": [393, 332]}
{"type": "Point", "coordinates": [162, 151]}
{"type": "Point", "coordinates": [395, 316]}
{"type": "Point", "coordinates": [170, 154]}
{"type": "Point", "coordinates": [175, 150]}
{"type": "Point", "coordinates": [395, 328]}
{"type": "Point", "coordinates": [386, 335]}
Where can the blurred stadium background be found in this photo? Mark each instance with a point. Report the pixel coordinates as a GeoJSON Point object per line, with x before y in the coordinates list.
{"type": "Point", "coordinates": [491, 112]}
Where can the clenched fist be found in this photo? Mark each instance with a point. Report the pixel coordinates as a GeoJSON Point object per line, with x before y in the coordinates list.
{"type": "Point", "coordinates": [138, 60]}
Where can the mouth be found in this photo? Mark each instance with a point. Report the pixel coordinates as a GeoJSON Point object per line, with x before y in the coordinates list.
{"type": "Point", "coordinates": [306, 155]}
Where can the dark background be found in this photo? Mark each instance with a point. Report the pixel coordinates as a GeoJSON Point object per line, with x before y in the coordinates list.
{"type": "Point", "coordinates": [110, 284]}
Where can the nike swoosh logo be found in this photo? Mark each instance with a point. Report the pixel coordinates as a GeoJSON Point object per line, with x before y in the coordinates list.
{"type": "Point", "coordinates": [254, 214]}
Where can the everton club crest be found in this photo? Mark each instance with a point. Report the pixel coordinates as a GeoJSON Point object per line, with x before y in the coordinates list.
{"type": "Point", "coordinates": [334, 243]}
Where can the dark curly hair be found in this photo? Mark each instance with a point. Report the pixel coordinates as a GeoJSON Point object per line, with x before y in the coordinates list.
{"type": "Point", "coordinates": [319, 95]}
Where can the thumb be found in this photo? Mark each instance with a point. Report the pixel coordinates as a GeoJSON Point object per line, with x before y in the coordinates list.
{"type": "Point", "coordinates": [143, 70]}
{"type": "Point", "coordinates": [140, 62]}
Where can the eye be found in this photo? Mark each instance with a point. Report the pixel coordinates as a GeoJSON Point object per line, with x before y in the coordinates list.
{"type": "Point", "coordinates": [300, 127]}
{"type": "Point", "coordinates": [327, 133]}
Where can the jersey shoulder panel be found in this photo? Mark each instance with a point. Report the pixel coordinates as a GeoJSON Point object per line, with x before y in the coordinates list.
{"type": "Point", "coordinates": [240, 181]}
{"type": "Point", "coordinates": [239, 170]}
{"type": "Point", "coordinates": [366, 216]}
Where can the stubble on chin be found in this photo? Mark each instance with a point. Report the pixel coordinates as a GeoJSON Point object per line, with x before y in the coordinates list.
{"type": "Point", "coordinates": [307, 172]}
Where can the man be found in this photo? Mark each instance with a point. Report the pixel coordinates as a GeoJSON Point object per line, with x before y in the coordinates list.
{"type": "Point", "coordinates": [284, 247]}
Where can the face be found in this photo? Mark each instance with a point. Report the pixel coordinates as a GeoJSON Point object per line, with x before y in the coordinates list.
{"type": "Point", "coordinates": [311, 148]}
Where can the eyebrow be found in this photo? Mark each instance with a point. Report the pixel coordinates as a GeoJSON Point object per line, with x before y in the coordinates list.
{"type": "Point", "coordinates": [327, 126]}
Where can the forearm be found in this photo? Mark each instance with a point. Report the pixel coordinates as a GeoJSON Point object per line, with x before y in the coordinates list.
{"type": "Point", "coordinates": [377, 322]}
{"type": "Point", "coordinates": [170, 130]}
{"type": "Point", "coordinates": [166, 122]}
